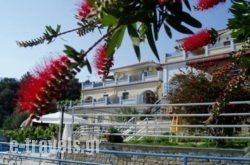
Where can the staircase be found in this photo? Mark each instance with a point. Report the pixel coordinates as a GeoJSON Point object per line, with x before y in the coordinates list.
{"type": "Point", "coordinates": [85, 131]}
{"type": "Point", "coordinates": [149, 125]}
{"type": "Point", "coordinates": [156, 107]}
{"type": "Point", "coordinates": [133, 128]}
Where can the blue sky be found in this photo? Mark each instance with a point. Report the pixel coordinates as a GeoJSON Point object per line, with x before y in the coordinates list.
{"type": "Point", "coordinates": [26, 19]}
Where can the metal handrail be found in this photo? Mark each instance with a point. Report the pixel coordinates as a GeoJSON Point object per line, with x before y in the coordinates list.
{"type": "Point", "coordinates": [167, 104]}
{"type": "Point", "coordinates": [168, 115]}
{"type": "Point", "coordinates": [51, 159]}
{"type": "Point", "coordinates": [185, 157]}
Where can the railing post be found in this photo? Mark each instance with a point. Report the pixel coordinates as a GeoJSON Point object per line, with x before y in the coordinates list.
{"type": "Point", "coordinates": [135, 126]}
{"type": "Point", "coordinates": [206, 51]}
{"type": "Point", "coordinates": [185, 55]}
{"type": "Point", "coordinates": [143, 76]}
{"type": "Point", "coordinates": [120, 100]}
{"type": "Point", "coordinates": [138, 99]}
{"type": "Point", "coordinates": [160, 75]}
{"type": "Point", "coordinates": [232, 46]}
{"type": "Point", "coordinates": [82, 86]}
{"type": "Point", "coordinates": [106, 100]}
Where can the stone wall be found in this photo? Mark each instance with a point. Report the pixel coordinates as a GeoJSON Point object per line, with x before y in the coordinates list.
{"type": "Point", "coordinates": [128, 159]}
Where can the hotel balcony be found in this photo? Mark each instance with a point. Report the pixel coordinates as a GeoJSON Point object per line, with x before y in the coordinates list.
{"type": "Point", "coordinates": [108, 101]}
{"type": "Point", "coordinates": [223, 46]}
{"type": "Point", "coordinates": [126, 80]}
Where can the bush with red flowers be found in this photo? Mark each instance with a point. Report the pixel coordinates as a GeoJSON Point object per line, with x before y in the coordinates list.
{"type": "Point", "coordinates": [112, 137]}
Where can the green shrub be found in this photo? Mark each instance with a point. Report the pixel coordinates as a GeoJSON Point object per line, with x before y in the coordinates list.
{"type": "Point", "coordinates": [33, 133]}
{"type": "Point", "coordinates": [114, 138]}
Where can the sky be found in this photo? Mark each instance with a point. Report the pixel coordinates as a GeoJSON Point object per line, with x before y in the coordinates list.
{"type": "Point", "coordinates": [26, 19]}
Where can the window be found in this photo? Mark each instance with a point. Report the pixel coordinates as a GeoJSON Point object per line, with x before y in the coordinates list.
{"type": "Point", "coordinates": [225, 43]}
{"type": "Point", "coordinates": [125, 95]}
{"type": "Point", "coordinates": [105, 95]}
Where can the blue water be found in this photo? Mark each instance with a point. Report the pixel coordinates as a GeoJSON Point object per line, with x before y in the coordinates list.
{"type": "Point", "coordinates": [4, 147]}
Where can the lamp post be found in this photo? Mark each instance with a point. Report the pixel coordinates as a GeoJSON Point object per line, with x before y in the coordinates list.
{"type": "Point", "coordinates": [73, 118]}
{"type": "Point", "coordinates": [62, 107]}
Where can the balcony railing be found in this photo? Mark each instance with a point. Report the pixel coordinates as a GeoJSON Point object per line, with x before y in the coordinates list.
{"type": "Point", "coordinates": [133, 100]}
{"type": "Point", "coordinates": [128, 80]}
{"type": "Point", "coordinates": [209, 50]}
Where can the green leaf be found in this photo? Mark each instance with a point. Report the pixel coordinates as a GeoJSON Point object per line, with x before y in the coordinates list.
{"type": "Point", "coordinates": [70, 50]}
{"type": "Point", "coordinates": [88, 66]}
{"type": "Point", "coordinates": [115, 40]}
{"type": "Point", "coordinates": [155, 25]}
{"type": "Point", "coordinates": [119, 36]}
{"type": "Point", "coordinates": [137, 52]}
{"type": "Point", "coordinates": [168, 30]}
{"type": "Point", "coordinates": [58, 27]}
{"type": "Point", "coordinates": [186, 2]}
{"type": "Point", "coordinates": [151, 41]}
{"type": "Point", "coordinates": [108, 20]}
{"type": "Point", "coordinates": [176, 24]}
{"type": "Point", "coordinates": [188, 19]}
{"type": "Point", "coordinates": [233, 11]}
{"type": "Point", "coordinates": [50, 30]}
{"type": "Point", "coordinates": [132, 31]}
{"type": "Point", "coordinates": [239, 23]}
{"type": "Point", "coordinates": [174, 8]}
{"type": "Point", "coordinates": [134, 36]}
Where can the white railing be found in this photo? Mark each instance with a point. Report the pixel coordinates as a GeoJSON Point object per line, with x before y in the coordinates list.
{"type": "Point", "coordinates": [128, 80]}
{"type": "Point", "coordinates": [133, 100]}
{"type": "Point", "coordinates": [159, 128]}
{"type": "Point", "coordinates": [166, 105]}
{"type": "Point", "coordinates": [210, 50]}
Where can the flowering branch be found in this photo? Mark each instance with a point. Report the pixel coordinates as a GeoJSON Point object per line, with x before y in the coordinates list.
{"type": "Point", "coordinates": [199, 39]}
{"type": "Point", "coordinates": [207, 4]}
{"type": "Point", "coordinates": [50, 34]}
{"type": "Point", "coordinates": [142, 20]}
{"type": "Point", "coordinates": [45, 85]}
{"type": "Point", "coordinates": [40, 89]}
{"type": "Point", "coordinates": [234, 82]}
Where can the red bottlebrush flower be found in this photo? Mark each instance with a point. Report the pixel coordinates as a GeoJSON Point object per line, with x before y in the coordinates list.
{"type": "Point", "coordinates": [206, 4]}
{"type": "Point", "coordinates": [38, 90]}
{"type": "Point", "coordinates": [199, 39]}
{"type": "Point", "coordinates": [26, 94]}
{"type": "Point", "coordinates": [103, 62]}
{"type": "Point", "coordinates": [162, 2]}
{"type": "Point", "coordinates": [84, 9]}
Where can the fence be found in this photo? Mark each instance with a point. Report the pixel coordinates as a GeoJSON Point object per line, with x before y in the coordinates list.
{"type": "Point", "coordinates": [167, 125]}
{"type": "Point", "coordinates": [18, 158]}
{"type": "Point", "coordinates": [152, 126]}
